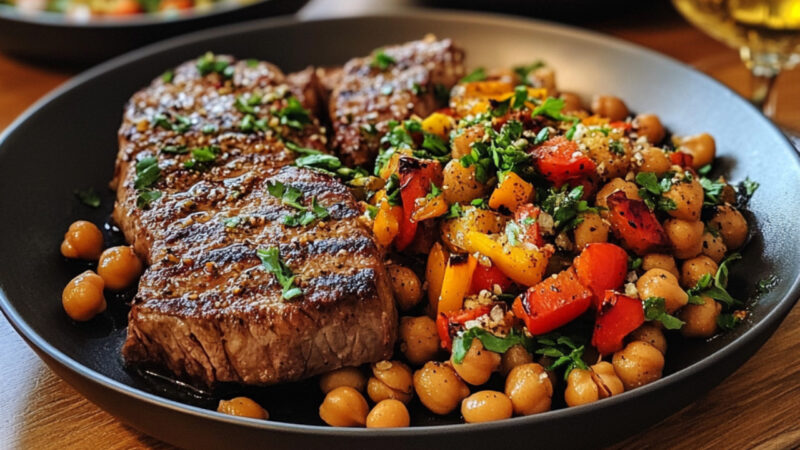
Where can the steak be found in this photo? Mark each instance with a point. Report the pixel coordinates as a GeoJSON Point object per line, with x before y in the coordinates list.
{"type": "Point", "coordinates": [393, 84]}
{"type": "Point", "coordinates": [206, 309]}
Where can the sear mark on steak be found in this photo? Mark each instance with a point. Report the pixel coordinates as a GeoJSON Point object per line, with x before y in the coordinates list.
{"type": "Point", "coordinates": [206, 309]}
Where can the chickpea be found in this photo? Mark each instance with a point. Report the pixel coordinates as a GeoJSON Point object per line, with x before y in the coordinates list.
{"type": "Point", "coordinates": [543, 77]}
{"type": "Point", "coordinates": [654, 160]}
{"type": "Point", "coordinates": [581, 388]}
{"type": "Point", "coordinates": [572, 102]}
{"type": "Point", "coordinates": [660, 283]}
{"type": "Point", "coordinates": [439, 388]}
{"type": "Point", "coordinates": [688, 198]}
{"type": "Point", "coordinates": [702, 148]}
{"type": "Point", "coordinates": [513, 357]}
{"type": "Point", "coordinates": [713, 247]}
{"type": "Point", "coordinates": [591, 229]}
{"type": "Point", "coordinates": [242, 407]}
{"type": "Point", "coordinates": [119, 267]}
{"type": "Point", "coordinates": [462, 144]}
{"type": "Point", "coordinates": [617, 184]}
{"type": "Point", "coordinates": [345, 376]}
{"type": "Point", "coordinates": [731, 225]}
{"type": "Point", "coordinates": [83, 240]}
{"type": "Point", "coordinates": [609, 106]}
{"type": "Point", "coordinates": [406, 286]}
{"type": "Point", "coordinates": [700, 320]}
{"type": "Point", "coordinates": [649, 126]}
{"type": "Point", "coordinates": [389, 413]}
{"type": "Point", "coordinates": [694, 269]}
{"type": "Point", "coordinates": [392, 379]}
{"type": "Point", "coordinates": [344, 407]}
{"type": "Point", "coordinates": [459, 183]}
{"type": "Point", "coordinates": [660, 261]}
{"type": "Point", "coordinates": [607, 381]}
{"type": "Point", "coordinates": [637, 364]}
{"type": "Point", "coordinates": [82, 298]}
{"type": "Point", "coordinates": [478, 364]}
{"type": "Point", "coordinates": [419, 339]}
{"type": "Point", "coordinates": [686, 237]}
{"type": "Point", "coordinates": [486, 406]}
{"type": "Point", "coordinates": [651, 334]}
{"type": "Point", "coordinates": [529, 388]}
{"type": "Point", "coordinates": [611, 163]}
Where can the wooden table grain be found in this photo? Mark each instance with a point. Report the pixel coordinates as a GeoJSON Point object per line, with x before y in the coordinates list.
{"type": "Point", "coordinates": [754, 408]}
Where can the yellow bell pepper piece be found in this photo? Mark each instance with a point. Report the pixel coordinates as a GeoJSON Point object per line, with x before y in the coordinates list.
{"type": "Point", "coordinates": [595, 120]}
{"type": "Point", "coordinates": [387, 223]}
{"type": "Point", "coordinates": [456, 282]}
{"type": "Point", "coordinates": [512, 193]}
{"type": "Point", "coordinates": [524, 265]}
{"type": "Point", "coordinates": [434, 272]}
{"type": "Point", "coordinates": [425, 208]}
{"type": "Point", "coordinates": [438, 124]}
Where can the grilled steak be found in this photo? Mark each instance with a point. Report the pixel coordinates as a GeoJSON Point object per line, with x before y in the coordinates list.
{"type": "Point", "coordinates": [206, 309]}
{"type": "Point", "coordinates": [393, 84]}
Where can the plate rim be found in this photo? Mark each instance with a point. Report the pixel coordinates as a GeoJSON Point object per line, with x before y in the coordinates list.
{"type": "Point", "coordinates": [772, 318]}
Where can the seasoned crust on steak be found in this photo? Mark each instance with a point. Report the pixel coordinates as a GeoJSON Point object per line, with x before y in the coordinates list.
{"type": "Point", "coordinates": [367, 98]}
{"type": "Point", "coordinates": [206, 309]}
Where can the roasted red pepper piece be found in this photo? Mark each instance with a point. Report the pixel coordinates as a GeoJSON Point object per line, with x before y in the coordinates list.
{"type": "Point", "coordinates": [532, 232]}
{"type": "Point", "coordinates": [456, 319]}
{"type": "Point", "coordinates": [682, 159]}
{"type": "Point", "coordinates": [635, 225]}
{"type": "Point", "coordinates": [416, 176]}
{"type": "Point", "coordinates": [485, 277]}
{"type": "Point", "coordinates": [617, 316]}
{"type": "Point", "coordinates": [621, 125]}
{"type": "Point", "coordinates": [553, 302]}
{"type": "Point", "coordinates": [559, 160]}
{"type": "Point", "coordinates": [600, 267]}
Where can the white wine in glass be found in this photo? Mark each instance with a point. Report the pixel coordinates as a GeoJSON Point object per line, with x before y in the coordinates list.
{"type": "Point", "coordinates": [766, 32]}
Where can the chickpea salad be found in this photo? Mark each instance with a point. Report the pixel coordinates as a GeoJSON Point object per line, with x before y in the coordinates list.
{"type": "Point", "coordinates": [540, 250]}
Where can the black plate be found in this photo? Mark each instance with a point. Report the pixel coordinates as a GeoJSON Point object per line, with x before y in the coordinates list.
{"type": "Point", "coordinates": [51, 38]}
{"type": "Point", "coordinates": [68, 141]}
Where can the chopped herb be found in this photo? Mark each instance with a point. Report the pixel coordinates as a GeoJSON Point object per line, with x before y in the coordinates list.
{"type": "Point", "coordinates": [167, 76]}
{"type": "Point", "coordinates": [393, 190]}
{"type": "Point", "coordinates": [247, 105]}
{"type": "Point", "coordinates": [491, 342]}
{"type": "Point", "coordinates": [202, 157]}
{"type": "Point", "coordinates": [705, 170]}
{"type": "Point", "coordinates": [513, 231]}
{"type": "Point", "coordinates": [209, 63]}
{"type": "Point", "coordinates": [634, 263]}
{"type": "Point", "coordinates": [175, 149]}
{"type": "Point", "coordinates": [455, 211]}
{"type": "Point", "coordinates": [382, 61]}
{"type": "Point", "coordinates": [250, 124]}
{"type": "Point", "coordinates": [616, 147]}
{"type": "Point", "coordinates": [179, 124]}
{"type": "Point", "coordinates": [765, 285]}
{"type": "Point", "coordinates": [520, 97]}
{"type": "Point", "coordinates": [745, 191]}
{"type": "Point", "coordinates": [294, 115]}
{"type": "Point", "coordinates": [478, 74]}
{"type": "Point", "coordinates": [435, 192]}
{"type": "Point", "coordinates": [571, 132]}
{"type": "Point", "coordinates": [542, 136]}
{"type": "Point", "coordinates": [271, 261]}
{"type": "Point", "coordinates": [209, 129]}
{"type": "Point", "coordinates": [652, 191]}
{"type": "Point", "coordinates": [88, 197]}
{"type": "Point", "coordinates": [712, 191]}
{"type": "Point", "coordinates": [551, 108]}
{"type": "Point", "coordinates": [565, 351]}
{"type": "Point", "coordinates": [147, 172]}
{"type": "Point", "coordinates": [504, 151]}
{"type": "Point", "coordinates": [728, 321]}
{"type": "Point", "coordinates": [290, 196]}
{"type": "Point", "coordinates": [655, 309]}
{"type": "Point", "coordinates": [251, 63]}
{"type": "Point", "coordinates": [369, 129]}
{"type": "Point", "coordinates": [566, 207]}
{"type": "Point", "coordinates": [232, 222]}
{"type": "Point", "coordinates": [372, 211]}
{"type": "Point", "coordinates": [480, 203]}
{"type": "Point", "coordinates": [524, 70]}
{"type": "Point", "coordinates": [716, 286]}
{"type": "Point", "coordinates": [146, 197]}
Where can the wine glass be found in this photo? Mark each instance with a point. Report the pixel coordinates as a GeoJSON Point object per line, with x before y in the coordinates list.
{"type": "Point", "coordinates": [766, 32]}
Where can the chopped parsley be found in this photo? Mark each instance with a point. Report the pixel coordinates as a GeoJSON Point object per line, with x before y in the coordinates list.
{"type": "Point", "coordinates": [290, 196]}
{"type": "Point", "coordinates": [523, 70]}
{"type": "Point", "coordinates": [655, 310]}
{"type": "Point", "coordinates": [652, 191]}
{"type": "Point", "coordinates": [323, 162]}
{"type": "Point", "coordinates": [175, 149]}
{"type": "Point", "coordinates": [247, 105]}
{"type": "Point", "coordinates": [393, 190]}
{"type": "Point", "coordinates": [209, 63]}
{"type": "Point", "coordinates": [478, 74]}
{"type": "Point", "coordinates": [616, 147]}
{"type": "Point", "coordinates": [232, 222]}
{"type": "Point", "coordinates": [381, 60]}
{"type": "Point", "coordinates": [565, 351]}
{"type": "Point", "coordinates": [716, 286]}
{"type": "Point", "coordinates": [634, 263]}
{"type": "Point", "coordinates": [147, 172]}
{"type": "Point", "coordinates": [294, 115]}
{"type": "Point", "coordinates": [146, 197]}
{"type": "Point", "coordinates": [202, 157]}
{"type": "Point", "coordinates": [542, 136]}
{"type": "Point", "coordinates": [88, 197]}
{"type": "Point", "coordinates": [712, 191]}
{"type": "Point", "coordinates": [209, 129]}
{"type": "Point", "coordinates": [271, 261]}
{"type": "Point", "coordinates": [765, 285]}
{"type": "Point", "coordinates": [504, 151]}
{"type": "Point", "coordinates": [455, 211]}
{"type": "Point", "coordinates": [249, 124]}
{"type": "Point", "coordinates": [491, 342]}
{"type": "Point", "coordinates": [745, 191]}
{"type": "Point", "coordinates": [179, 124]}
{"type": "Point", "coordinates": [435, 192]}
{"type": "Point", "coordinates": [251, 63]}
{"type": "Point", "coordinates": [566, 207]}
{"type": "Point", "coordinates": [728, 321]}
{"type": "Point", "coordinates": [167, 76]}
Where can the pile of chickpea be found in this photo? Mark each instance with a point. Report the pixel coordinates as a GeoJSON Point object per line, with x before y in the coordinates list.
{"type": "Point", "coordinates": [117, 268]}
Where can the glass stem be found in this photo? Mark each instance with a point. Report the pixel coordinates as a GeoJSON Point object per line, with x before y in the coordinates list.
{"type": "Point", "coordinates": [761, 94]}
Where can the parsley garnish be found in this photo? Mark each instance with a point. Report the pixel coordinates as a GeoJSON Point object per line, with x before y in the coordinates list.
{"type": "Point", "coordinates": [745, 191]}
{"type": "Point", "coordinates": [249, 124]}
{"type": "Point", "coordinates": [712, 191]}
{"type": "Point", "coordinates": [564, 350]}
{"type": "Point", "coordinates": [393, 190]}
{"type": "Point", "coordinates": [616, 147]}
{"type": "Point", "coordinates": [294, 115]}
{"type": "Point", "coordinates": [765, 285]}
{"type": "Point", "coordinates": [566, 207]}
{"type": "Point", "coordinates": [381, 60]}
{"type": "Point", "coordinates": [478, 74]}
{"type": "Point", "coordinates": [290, 196]}
{"type": "Point", "coordinates": [716, 286]}
{"type": "Point", "coordinates": [179, 124]}
{"type": "Point", "coordinates": [232, 222]}
{"type": "Point", "coordinates": [88, 197]}
{"type": "Point", "coordinates": [524, 70]}
{"type": "Point", "coordinates": [271, 261]}
{"type": "Point", "coordinates": [634, 263]}
{"type": "Point", "coordinates": [146, 197]}
{"type": "Point", "coordinates": [175, 149]}
{"type": "Point", "coordinates": [504, 151]}
{"type": "Point", "coordinates": [652, 190]}
{"type": "Point", "coordinates": [209, 129]}
{"type": "Point", "coordinates": [208, 63]}
{"type": "Point", "coordinates": [252, 62]}
{"type": "Point", "coordinates": [147, 174]}
{"type": "Point", "coordinates": [202, 157]}
{"type": "Point", "coordinates": [654, 309]}
{"type": "Point", "coordinates": [455, 211]}
{"type": "Point", "coordinates": [167, 76]}
{"type": "Point", "coordinates": [542, 136]}
{"type": "Point", "coordinates": [247, 105]}
{"type": "Point", "coordinates": [728, 321]}
{"type": "Point", "coordinates": [435, 192]}
{"type": "Point", "coordinates": [491, 342]}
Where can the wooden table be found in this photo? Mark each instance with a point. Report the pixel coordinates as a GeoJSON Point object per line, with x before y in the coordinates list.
{"type": "Point", "coordinates": [755, 407]}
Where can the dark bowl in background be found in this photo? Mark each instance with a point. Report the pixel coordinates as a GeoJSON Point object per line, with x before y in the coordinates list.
{"type": "Point", "coordinates": [68, 141]}
{"type": "Point", "coordinates": [51, 39]}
